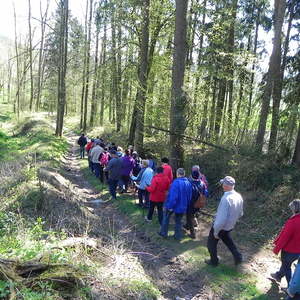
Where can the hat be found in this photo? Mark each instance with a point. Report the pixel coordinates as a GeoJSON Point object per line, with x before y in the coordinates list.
{"type": "Point", "coordinates": [113, 152]}
{"type": "Point", "coordinates": [195, 174]}
{"type": "Point", "coordinates": [228, 180]}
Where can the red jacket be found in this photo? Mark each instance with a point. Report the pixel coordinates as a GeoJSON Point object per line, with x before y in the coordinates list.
{"type": "Point", "coordinates": [89, 146]}
{"type": "Point", "coordinates": [159, 186]}
{"type": "Point", "coordinates": [168, 171]}
{"type": "Point", "coordinates": [289, 237]}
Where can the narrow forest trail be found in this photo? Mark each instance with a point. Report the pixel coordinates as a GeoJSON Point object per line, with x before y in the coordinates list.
{"type": "Point", "coordinates": [167, 270]}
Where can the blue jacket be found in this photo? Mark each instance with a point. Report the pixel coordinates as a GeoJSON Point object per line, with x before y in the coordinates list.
{"type": "Point", "coordinates": [294, 286]}
{"type": "Point", "coordinates": [180, 195]}
{"type": "Point", "coordinates": [146, 178]}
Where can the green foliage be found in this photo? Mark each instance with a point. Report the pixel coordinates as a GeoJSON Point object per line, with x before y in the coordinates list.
{"type": "Point", "coordinates": [4, 289]}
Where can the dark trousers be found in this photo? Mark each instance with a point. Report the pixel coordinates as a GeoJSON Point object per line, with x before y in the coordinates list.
{"type": "Point", "coordinates": [143, 195]}
{"type": "Point", "coordinates": [125, 179]}
{"type": "Point", "coordinates": [159, 206]}
{"type": "Point", "coordinates": [112, 184]}
{"type": "Point", "coordinates": [286, 262]}
{"type": "Point", "coordinates": [190, 222]}
{"type": "Point", "coordinates": [165, 224]}
{"type": "Point", "coordinates": [90, 164]}
{"type": "Point", "coordinates": [101, 174]}
{"type": "Point", "coordinates": [96, 167]}
{"type": "Point", "coordinates": [212, 244]}
{"type": "Point", "coordinates": [82, 150]}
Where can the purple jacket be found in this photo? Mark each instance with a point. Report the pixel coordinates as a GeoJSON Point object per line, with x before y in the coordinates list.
{"type": "Point", "coordinates": [127, 165]}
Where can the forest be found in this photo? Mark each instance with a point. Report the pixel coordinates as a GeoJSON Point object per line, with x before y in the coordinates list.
{"type": "Point", "coordinates": [208, 82]}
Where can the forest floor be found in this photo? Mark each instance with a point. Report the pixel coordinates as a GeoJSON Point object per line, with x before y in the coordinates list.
{"type": "Point", "coordinates": [176, 269]}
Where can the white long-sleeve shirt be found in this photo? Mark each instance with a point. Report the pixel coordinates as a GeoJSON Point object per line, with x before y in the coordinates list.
{"type": "Point", "coordinates": [229, 211]}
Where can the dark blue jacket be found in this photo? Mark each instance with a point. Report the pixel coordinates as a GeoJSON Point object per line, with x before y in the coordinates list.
{"type": "Point", "coordinates": [180, 195]}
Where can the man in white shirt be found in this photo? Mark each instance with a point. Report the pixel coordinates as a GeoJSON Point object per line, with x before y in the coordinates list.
{"type": "Point", "coordinates": [229, 211]}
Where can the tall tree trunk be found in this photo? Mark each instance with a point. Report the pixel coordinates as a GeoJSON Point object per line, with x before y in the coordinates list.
{"type": "Point", "coordinates": [296, 157]}
{"type": "Point", "coordinates": [142, 77]}
{"type": "Point", "coordinates": [84, 65]}
{"type": "Point", "coordinates": [274, 69]}
{"type": "Point", "coordinates": [95, 80]}
{"type": "Point", "coordinates": [178, 97]}
{"type": "Point", "coordinates": [30, 56]}
{"type": "Point", "coordinates": [103, 72]}
{"type": "Point", "coordinates": [87, 74]}
{"type": "Point", "coordinates": [17, 99]}
{"type": "Point", "coordinates": [40, 75]}
{"type": "Point", "coordinates": [62, 67]}
{"type": "Point", "coordinates": [220, 106]}
{"type": "Point", "coordinates": [278, 83]}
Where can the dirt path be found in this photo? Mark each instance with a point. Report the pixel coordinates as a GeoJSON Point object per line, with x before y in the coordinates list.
{"type": "Point", "coordinates": [166, 269]}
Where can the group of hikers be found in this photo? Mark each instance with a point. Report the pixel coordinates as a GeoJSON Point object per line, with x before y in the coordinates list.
{"type": "Point", "coordinates": [186, 195]}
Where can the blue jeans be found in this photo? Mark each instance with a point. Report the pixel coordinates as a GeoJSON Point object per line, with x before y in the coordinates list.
{"type": "Point", "coordinates": [112, 184]}
{"type": "Point", "coordinates": [286, 262]}
{"type": "Point", "coordinates": [165, 224]}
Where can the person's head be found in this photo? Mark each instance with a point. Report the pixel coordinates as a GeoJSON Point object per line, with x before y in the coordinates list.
{"type": "Point", "coordinates": [195, 175]}
{"type": "Point", "coordinates": [196, 168]}
{"type": "Point", "coordinates": [82, 134]}
{"type": "Point", "coordinates": [180, 172]}
{"type": "Point", "coordinates": [120, 149]}
{"type": "Point", "coordinates": [165, 160]}
{"type": "Point", "coordinates": [145, 163]}
{"type": "Point", "coordinates": [228, 183]}
{"type": "Point", "coordinates": [134, 154]}
{"type": "Point", "coordinates": [159, 170]}
{"type": "Point", "coordinates": [127, 152]}
{"type": "Point", "coordinates": [295, 206]}
{"type": "Point", "coordinates": [113, 153]}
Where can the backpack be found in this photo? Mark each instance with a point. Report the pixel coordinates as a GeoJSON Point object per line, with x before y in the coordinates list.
{"type": "Point", "coordinates": [104, 159]}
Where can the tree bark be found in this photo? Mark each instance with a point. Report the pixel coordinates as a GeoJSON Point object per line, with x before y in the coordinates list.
{"type": "Point", "coordinates": [274, 69]}
{"type": "Point", "coordinates": [278, 84]}
{"type": "Point", "coordinates": [142, 77]}
{"type": "Point", "coordinates": [62, 67]}
{"type": "Point", "coordinates": [178, 121]}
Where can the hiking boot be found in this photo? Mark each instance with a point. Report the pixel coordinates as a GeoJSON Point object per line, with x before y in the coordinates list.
{"type": "Point", "coordinates": [147, 220]}
{"type": "Point", "coordinates": [274, 276]}
{"type": "Point", "coordinates": [210, 263]}
{"type": "Point", "coordinates": [162, 235]}
{"type": "Point", "coordinates": [186, 227]}
{"type": "Point", "coordinates": [192, 235]}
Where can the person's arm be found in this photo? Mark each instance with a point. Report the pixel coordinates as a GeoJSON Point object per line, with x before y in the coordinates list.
{"type": "Point", "coordinates": [152, 187]}
{"type": "Point", "coordinates": [221, 217]}
{"type": "Point", "coordinates": [283, 237]}
{"type": "Point", "coordinates": [172, 197]}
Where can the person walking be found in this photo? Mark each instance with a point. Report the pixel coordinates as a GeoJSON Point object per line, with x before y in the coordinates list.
{"type": "Point", "coordinates": [114, 167]}
{"type": "Point", "coordinates": [229, 211]}
{"type": "Point", "coordinates": [82, 141]}
{"type": "Point", "coordinates": [167, 168]}
{"type": "Point", "coordinates": [179, 197]}
{"type": "Point", "coordinates": [144, 179]}
{"type": "Point", "coordinates": [158, 192]}
{"type": "Point", "coordinates": [198, 188]}
{"type": "Point", "coordinates": [127, 166]}
{"type": "Point", "coordinates": [288, 242]}
{"type": "Point", "coordinates": [95, 155]}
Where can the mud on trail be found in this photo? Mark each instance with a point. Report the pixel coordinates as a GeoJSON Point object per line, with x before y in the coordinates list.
{"type": "Point", "coordinates": [171, 273]}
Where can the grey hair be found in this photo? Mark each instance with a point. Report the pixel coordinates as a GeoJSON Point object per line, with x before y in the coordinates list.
{"type": "Point", "coordinates": [180, 172]}
{"type": "Point", "coordinates": [295, 206]}
{"type": "Point", "coordinates": [196, 167]}
{"type": "Point", "coordinates": [145, 162]}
